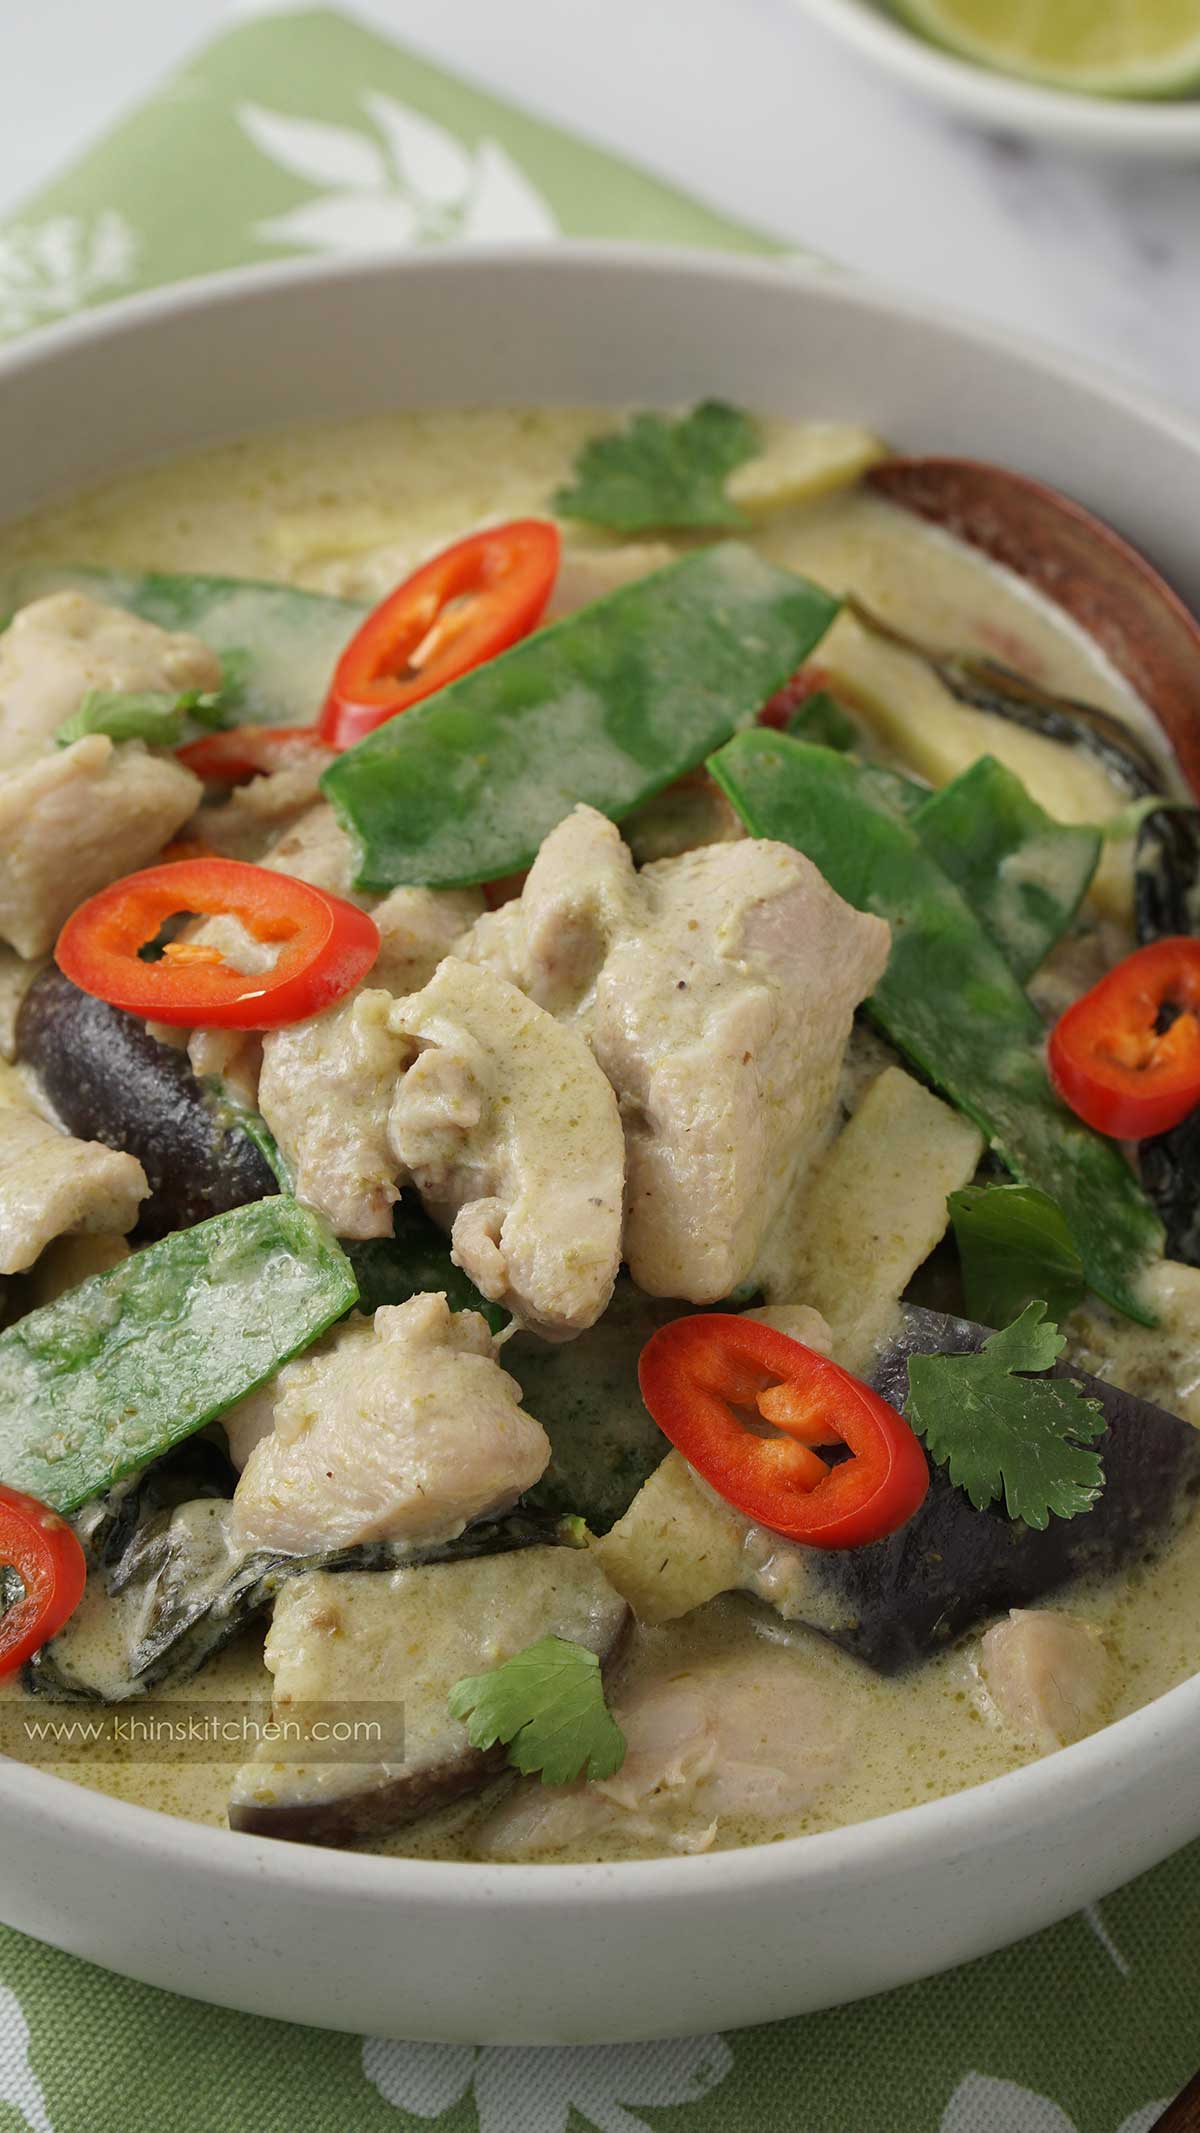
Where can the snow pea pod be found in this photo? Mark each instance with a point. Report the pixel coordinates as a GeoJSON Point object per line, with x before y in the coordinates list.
{"type": "Point", "coordinates": [118, 1370]}
{"type": "Point", "coordinates": [279, 645]}
{"type": "Point", "coordinates": [948, 998]}
{"type": "Point", "coordinates": [608, 706]}
{"type": "Point", "coordinates": [1023, 874]}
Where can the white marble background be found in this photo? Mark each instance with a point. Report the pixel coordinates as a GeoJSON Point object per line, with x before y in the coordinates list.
{"type": "Point", "coordinates": [748, 104]}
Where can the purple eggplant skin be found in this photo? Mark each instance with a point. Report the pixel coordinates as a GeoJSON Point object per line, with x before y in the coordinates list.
{"type": "Point", "coordinates": [110, 1081]}
{"type": "Point", "coordinates": [376, 1810]}
{"type": "Point", "coordinates": [905, 1599]}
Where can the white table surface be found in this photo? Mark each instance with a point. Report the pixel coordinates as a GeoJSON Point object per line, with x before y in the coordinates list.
{"type": "Point", "coordinates": [744, 102]}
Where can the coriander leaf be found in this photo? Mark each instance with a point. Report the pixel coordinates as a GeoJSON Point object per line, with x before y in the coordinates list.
{"type": "Point", "coordinates": [153, 715]}
{"type": "Point", "coordinates": [1031, 1342]}
{"type": "Point", "coordinates": [658, 472]}
{"type": "Point", "coordinates": [999, 1435]}
{"type": "Point", "coordinates": [1014, 1245]}
{"type": "Point", "coordinates": [142, 715]}
{"type": "Point", "coordinates": [547, 1705]}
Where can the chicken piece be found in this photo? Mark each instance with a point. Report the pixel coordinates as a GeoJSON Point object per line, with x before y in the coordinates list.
{"type": "Point", "coordinates": [511, 1135]}
{"type": "Point", "coordinates": [417, 927]}
{"type": "Point", "coordinates": [402, 1427]}
{"type": "Point", "coordinates": [231, 1056]}
{"type": "Point", "coordinates": [57, 650]}
{"type": "Point", "coordinates": [325, 1090]}
{"type": "Point", "coordinates": [51, 1184]}
{"type": "Point", "coordinates": [587, 574]}
{"type": "Point", "coordinates": [249, 1421]}
{"type": "Point", "coordinates": [710, 1746]}
{"type": "Point", "coordinates": [317, 849]}
{"type": "Point", "coordinates": [244, 825]}
{"type": "Point", "coordinates": [1046, 1674]}
{"type": "Point", "coordinates": [717, 991]}
{"type": "Point", "coordinates": [75, 820]}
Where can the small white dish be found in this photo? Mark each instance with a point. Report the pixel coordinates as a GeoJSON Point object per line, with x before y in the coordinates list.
{"type": "Point", "coordinates": [1142, 127]}
{"type": "Point", "coordinates": [587, 1954]}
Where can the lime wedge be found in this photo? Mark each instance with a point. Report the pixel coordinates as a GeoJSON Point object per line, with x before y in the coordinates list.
{"type": "Point", "coordinates": [1099, 47]}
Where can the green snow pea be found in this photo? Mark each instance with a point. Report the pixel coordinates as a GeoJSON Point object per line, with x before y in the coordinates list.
{"type": "Point", "coordinates": [608, 706]}
{"type": "Point", "coordinates": [124, 1366]}
{"type": "Point", "coordinates": [1023, 874]}
{"type": "Point", "coordinates": [948, 998]}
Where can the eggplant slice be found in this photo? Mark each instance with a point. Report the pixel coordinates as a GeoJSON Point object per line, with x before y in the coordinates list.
{"type": "Point", "coordinates": [1080, 564]}
{"type": "Point", "coordinates": [168, 1588]}
{"type": "Point", "coordinates": [385, 1651]}
{"type": "Point", "coordinates": [110, 1081]}
{"type": "Point", "coordinates": [906, 1598]}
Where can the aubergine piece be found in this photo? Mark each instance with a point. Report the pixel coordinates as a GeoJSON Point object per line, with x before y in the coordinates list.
{"type": "Point", "coordinates": [110, 1081]}
{"type": "Point", "coordinates": [1167, 901]}
{"type": "Point", "coordinates": [906, 1598]}
{"type": "Point", "coordinates": [169, 1588]}
{"type": "Point", "coordinates": [384, 1652]}
{"type": "Point", "coordinates": [1166, 880]}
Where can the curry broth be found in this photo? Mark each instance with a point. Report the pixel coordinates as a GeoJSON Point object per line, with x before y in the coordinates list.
{"type": "Point", "coordinates": [349, 509]}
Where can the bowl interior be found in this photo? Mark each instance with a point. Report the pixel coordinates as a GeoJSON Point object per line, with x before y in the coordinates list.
{"type": "Point", "coordinates": [266, 347]}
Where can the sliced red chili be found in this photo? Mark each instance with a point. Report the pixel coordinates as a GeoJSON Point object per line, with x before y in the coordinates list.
{"type": "Point", "coordinates": [325, 946]}
{"type": "Point", "coordinates": [713, 1381]}
{"type": "Point", "coordinates": [805, 682]}
{"type": "Point", "coordinates": [1126, 1057]}
{"type": "Point", "coordinates": [46, 1555]}
{"type": "Point", "coordinates": [460, 609]}
{"type": "Point", "coordinates": [251, 751]}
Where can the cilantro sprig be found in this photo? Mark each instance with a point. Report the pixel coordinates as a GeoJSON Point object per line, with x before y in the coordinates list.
{"type": "Point", "coordinates": [547, 1705]}
{"type": "Point", "coordinates": [149, 715]}
{"type": "Point", "coordinates": [999, 1433]}
{"type": "Point", "coordinates": [660, 473]}
{"type": "Point", "coordinates": [157, 716]}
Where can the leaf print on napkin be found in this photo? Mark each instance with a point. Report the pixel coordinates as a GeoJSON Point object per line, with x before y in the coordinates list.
{"type": "Point", "coordinates": [19, 2085]}
{"type": "Point", "coordinates": [537, 2087]}
{"type": "Point", "coordinates": [48, 269]}
{"type": "Point", "coordinates": [407, 181]}
{"type": "Point", "coordinates": [983, 2105]}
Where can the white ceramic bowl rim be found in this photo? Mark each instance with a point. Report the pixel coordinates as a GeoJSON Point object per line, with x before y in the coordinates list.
{"type": "Point", "coordinates": [1110, 1762]}
{"type": "Point", "coordinates": [1139, 125]}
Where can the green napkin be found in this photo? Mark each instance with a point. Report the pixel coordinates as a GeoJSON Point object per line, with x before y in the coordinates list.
{"type": "Point", "coordinates": [303, 134]}
{"type": "Point", "coordinates": [306, 133]}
